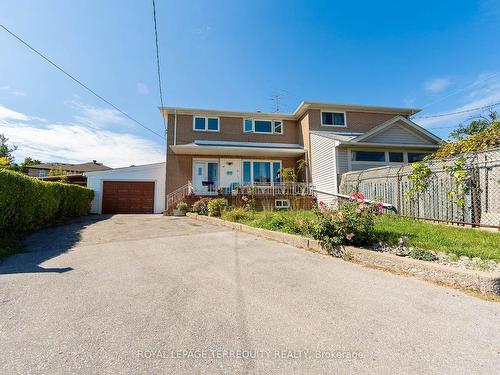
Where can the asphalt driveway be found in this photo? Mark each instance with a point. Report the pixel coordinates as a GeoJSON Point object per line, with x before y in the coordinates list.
{"type": "Point", "coordinates": [153, 294]}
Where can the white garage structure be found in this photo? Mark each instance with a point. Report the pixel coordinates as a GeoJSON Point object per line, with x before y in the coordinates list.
{"type": "Point", "coordinates": [135, 189]}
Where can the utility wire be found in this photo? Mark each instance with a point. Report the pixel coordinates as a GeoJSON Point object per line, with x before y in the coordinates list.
{"type": "Point", "coordinates": [461, 89]}
{"type": "Point", "coordinates": [458, 112]}
{"type": "Point", "coordinates": [158, 64]}
{"type": "Point", "coordinates": [80, 82]}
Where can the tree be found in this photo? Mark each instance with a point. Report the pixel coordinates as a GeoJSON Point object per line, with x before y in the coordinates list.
{"type": "Point", "coordinates": [6, 150]}
{"type": "Point", "coordinates": [475, 126]}
{"type": "Point", "coordinates": [58, 172]}
{"type": "Point", "coordinates": [29, 161]}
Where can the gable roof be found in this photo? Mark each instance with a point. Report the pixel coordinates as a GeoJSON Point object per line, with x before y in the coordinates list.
{"type": "Point", "coordinates": [297, 114]}
{"type": "Point", "coordinates": [413, 127]}
{"type": "Point", "coordinates": [83, 167]}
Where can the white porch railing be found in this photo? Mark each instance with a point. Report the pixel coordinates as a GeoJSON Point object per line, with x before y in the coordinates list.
{"type": "Point", "coordinates": [282, 188]}
{"type": "Point", "coordinates": [178, 195]}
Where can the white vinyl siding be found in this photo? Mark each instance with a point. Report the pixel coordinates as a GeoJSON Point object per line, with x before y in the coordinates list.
{"type": "Point", "coordinates": [397, 135]}
{"type": "Point", "coordinates": [323, 166]}
{"type": "Point", "coordinates": [342, 163]}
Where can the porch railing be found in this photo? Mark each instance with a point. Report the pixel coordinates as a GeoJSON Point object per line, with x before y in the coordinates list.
{"type": "Point", "coordinates": [178, 195]}
{"type": "Point", "coordinates": [282, 188]}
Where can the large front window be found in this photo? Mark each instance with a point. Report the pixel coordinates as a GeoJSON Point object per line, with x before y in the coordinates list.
{"type": "Point", "coordinates": [263, 172]}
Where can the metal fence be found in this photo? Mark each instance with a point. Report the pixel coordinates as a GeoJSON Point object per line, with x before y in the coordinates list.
{"type": "Point", "coordinates": [477, 204]}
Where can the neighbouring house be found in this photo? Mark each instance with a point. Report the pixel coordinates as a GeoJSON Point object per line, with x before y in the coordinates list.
{"type": "Point", "coordinates": [43, 169]}
{"type": "Point", "coordinates": [235, 153]}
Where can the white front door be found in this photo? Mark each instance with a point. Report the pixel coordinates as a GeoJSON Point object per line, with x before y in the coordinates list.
{"type": "Point", "coordinates": [205, 176]}
{"type": "Point", "coordinates": [230, 172]}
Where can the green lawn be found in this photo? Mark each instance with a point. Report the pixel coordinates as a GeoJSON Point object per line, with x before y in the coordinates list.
{"type": "Point", "coordinates": [430, 236]}
{"type": "Point", "coordinates": [440, 237]}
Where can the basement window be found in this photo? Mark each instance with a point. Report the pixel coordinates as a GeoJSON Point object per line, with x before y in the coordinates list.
{"type": "Point", "coordinates": [282, 204]}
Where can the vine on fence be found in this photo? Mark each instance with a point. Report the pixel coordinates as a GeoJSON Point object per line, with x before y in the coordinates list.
{"type": "Point", "coordinates": [421, 176]}
{"type": "Point", "coordinates": [461, 181]}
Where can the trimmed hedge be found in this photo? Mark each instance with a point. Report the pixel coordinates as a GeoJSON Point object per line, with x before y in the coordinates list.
{"type": "Point", "coordinates": [27, 203]}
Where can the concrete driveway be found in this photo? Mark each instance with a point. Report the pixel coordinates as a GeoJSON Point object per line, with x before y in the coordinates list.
{"type": "Point", "coordinates": [153, 294]}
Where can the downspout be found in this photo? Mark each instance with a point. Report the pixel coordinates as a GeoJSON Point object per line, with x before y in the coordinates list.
{"type": "Point", "coordinates": [175, 127]}
{"type": "Point", "coordinates": [306, 155]}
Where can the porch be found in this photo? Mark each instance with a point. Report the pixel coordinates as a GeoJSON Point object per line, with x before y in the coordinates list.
{"type": "Point", "coordinates": [294, 194]}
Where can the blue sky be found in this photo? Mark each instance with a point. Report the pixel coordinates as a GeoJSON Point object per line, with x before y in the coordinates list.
{"type": "Point", "coordinates": [233, 55]}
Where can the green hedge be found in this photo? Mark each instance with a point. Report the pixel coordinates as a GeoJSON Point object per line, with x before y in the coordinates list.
{"type": "Point", "coordinates": [27, 203]}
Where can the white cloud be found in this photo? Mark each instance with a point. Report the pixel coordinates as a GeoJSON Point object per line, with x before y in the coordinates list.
{"type": "Point", "coordinates": [96, 117]}
{"type": "Point", "coordinates": [142, 88]}
{"type": "Point", "coordinates": [13, 91]}
{"type": "Point", "coordinates": [8, 114]}
{"type": "Point", "coordinates": [77, 142]}
{"type": "Point", "coordinates": [437, 85]}
{"type": "Point", "coordinates": [482, 92]}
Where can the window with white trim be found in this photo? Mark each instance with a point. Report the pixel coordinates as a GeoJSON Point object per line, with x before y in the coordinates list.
{"type": "Point", "coordinates": [333, 119]}
{"type": "Point", "coordinates": [282, 204]}
{"type": "Point", "coordinates": [266, 172]}
{"type": "Point", "coordinates": [205, 124]}
{"type": "Point", "coordinates": [262, 126]}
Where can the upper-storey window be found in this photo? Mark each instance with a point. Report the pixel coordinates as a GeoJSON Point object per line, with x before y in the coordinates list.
{"type": "Point", "coordinates": [263, 126]}
{"type": "Point", "coordinates": [206, 124]}
{"type": "Point", "coordinates": [333, 119]}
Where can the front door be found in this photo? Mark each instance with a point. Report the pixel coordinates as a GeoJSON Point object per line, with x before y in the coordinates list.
{"type": "Point", "coordinates": [205, 177]}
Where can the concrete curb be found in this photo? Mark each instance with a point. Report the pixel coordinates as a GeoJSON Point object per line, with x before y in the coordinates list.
{"type": "Point", "coordinates": [477, 281]}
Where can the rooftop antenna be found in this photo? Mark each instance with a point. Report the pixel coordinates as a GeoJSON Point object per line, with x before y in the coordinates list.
{"type": "Point", "coordinates": [276, 98]}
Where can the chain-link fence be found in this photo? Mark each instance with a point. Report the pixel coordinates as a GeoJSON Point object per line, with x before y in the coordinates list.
{"type": "Point", "coordinates": [462, 190]}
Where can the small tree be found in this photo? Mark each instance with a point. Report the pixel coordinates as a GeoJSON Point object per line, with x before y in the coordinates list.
{"type": "Point", "coordinates": [6, 150]}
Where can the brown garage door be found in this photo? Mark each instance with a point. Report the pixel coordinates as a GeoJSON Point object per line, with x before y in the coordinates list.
{"type": "Point", "coordinates": [128, 197]}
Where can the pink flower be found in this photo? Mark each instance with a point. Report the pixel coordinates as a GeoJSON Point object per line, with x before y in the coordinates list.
{"type": "Point", "coordinates": [379, 205]}
{"type": "Point", "coordinates": [357, 196]}
{"type": "Point", "coordinates": [358, 210]}
{"type": "Point", "coordinates": [349, 236]}
{"type": "Point", "coordinates": [321, 204]}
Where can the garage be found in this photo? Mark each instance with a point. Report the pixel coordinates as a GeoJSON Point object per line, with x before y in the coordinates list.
{"type": "Point", "coordinates": [138, 189]}
{"type": "Point", "coordinates": [128, 197]}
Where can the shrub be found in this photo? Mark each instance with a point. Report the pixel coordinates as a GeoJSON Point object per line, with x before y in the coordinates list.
{"type": "Point", "coordinates": [201, 206]}
{"type": "Point", "coordinates": [422, 254]}
{"type": "Point", "coordinates": [237, 214]}
{"type": "Point", "coordinates": [349, 223]}
{"type": "Point", "coordinates": [27, 203]}
{"type": "Point", "coordinates": [182, 206]}
{"type": "Point", "coordinates": [216, 206]}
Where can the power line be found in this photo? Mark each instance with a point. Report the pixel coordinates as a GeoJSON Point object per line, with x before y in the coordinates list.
{"type": "Point", "coordinates": [461, 89]}
{"type": "Point", "coordinates": [80, 82]}
{"type": "Point", "coordinates": [158, 63]}
{"type": "Point", "coordinates": [458, 112]}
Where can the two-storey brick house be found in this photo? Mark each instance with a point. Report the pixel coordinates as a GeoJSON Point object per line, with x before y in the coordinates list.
{"type": "Point", "coordinates": [234, 153]}
{"type": "Point", "coordinates": [218, 149]}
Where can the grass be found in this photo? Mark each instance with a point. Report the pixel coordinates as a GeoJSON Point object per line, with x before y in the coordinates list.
{"type": "Point", "coordinates": [389, 229]}
{"type": "Point", "coordinates": [439, 237]}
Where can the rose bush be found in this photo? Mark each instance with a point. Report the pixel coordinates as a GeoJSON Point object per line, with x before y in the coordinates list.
{"type": "Point", "coordinates": [348, 222]}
